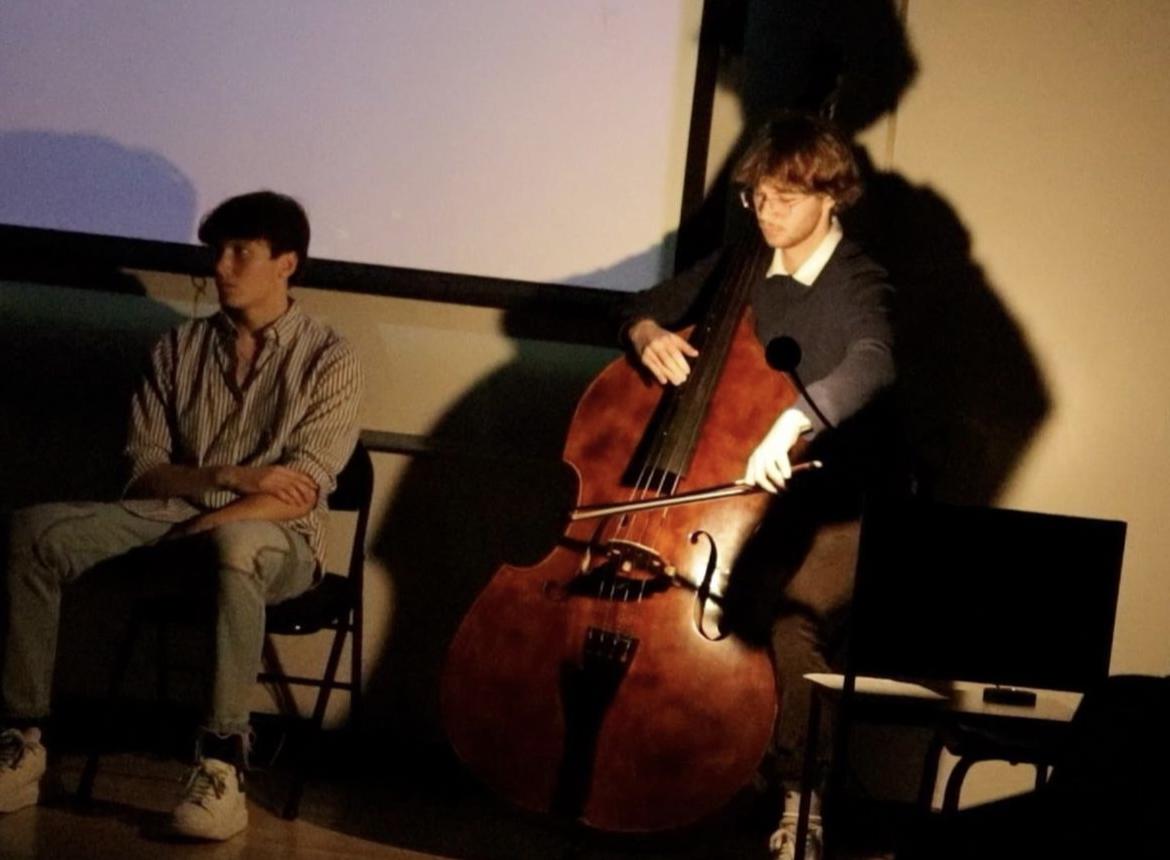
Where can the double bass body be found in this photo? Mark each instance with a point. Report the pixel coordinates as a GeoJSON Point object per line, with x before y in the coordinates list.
{"type": "Point", "coordinates": [594, 684]}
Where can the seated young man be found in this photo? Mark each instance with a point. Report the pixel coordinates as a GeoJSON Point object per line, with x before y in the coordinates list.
{"type": "Point", "coordinates": [237, 433]}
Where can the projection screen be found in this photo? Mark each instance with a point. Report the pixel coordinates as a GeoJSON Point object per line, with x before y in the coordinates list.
{"type": "Point", "coordinates": [532, 139]}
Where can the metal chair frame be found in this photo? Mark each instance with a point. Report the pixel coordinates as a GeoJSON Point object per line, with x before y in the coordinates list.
{"type": "Point", "coordinates": [334, 603]}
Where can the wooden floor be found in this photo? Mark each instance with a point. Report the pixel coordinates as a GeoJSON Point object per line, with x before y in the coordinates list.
{"type": "Point", "coordinates": [407, 816]}
{"type": "Point", "coordinates": [421, 809]}
{"type": "Point", "coordinates": [414, 802]}
{"type": "Point", "coordinates": [128, 819]}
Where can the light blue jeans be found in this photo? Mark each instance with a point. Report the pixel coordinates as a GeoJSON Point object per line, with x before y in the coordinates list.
{"type": "Point", "coordinates": [237, 569]}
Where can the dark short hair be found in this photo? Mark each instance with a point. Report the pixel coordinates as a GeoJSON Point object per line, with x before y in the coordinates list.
{"type": "Point", "coordinates": [804, 152]}
{"type": "Point", "coordinates": [275, 218]}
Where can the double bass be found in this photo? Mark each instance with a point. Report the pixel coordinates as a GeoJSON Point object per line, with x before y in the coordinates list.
{"type": "Point", "coordinates": [599, 684]}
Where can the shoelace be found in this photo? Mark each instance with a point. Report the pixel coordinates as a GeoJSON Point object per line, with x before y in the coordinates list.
{"type": "Point", "coordinates": [785, 835]}
{"type": "Point", "coordinates": [12, 748]}
{"type": "Point", "coordinates": [203, 784]}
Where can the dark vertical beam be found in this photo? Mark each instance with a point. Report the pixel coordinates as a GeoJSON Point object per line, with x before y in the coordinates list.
{"type": "Point", "coordinates": [699, 134]}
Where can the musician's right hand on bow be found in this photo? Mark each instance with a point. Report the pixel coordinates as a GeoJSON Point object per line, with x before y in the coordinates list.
{"type": "Point", "coordinates": [769, 466]}
{"type": "Point", "coordinates": [662, 352]}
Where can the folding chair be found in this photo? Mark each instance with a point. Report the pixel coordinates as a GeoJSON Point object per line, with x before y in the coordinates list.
{"type": "Point", "coordinates": [334, 603]}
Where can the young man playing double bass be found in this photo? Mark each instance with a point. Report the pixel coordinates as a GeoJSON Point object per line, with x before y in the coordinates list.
{"type": "Point", "coordinates": [824, 294]}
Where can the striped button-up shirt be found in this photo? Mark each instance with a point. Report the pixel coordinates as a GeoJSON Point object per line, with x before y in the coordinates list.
{"type": "Point", "coordinates": [297, 408]}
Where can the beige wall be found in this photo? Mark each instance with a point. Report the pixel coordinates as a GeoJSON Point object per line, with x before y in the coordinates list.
{"type": "Point", "coordinates": [1044, 125]}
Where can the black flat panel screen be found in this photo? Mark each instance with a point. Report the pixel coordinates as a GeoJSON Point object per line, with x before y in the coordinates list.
{"type": "Point", "coordinates": [984, 594]}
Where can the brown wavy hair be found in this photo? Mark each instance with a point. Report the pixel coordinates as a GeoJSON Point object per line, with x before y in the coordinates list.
{"type": "Point", "coordinates": [804, 152]}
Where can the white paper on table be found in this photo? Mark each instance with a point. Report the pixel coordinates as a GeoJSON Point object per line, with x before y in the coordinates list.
{"type": "Point", "coordinates": [874, 686]}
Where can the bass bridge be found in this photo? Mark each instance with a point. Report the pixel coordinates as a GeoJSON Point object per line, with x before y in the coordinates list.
{"type": "Point", "coordinates": [626, 572]}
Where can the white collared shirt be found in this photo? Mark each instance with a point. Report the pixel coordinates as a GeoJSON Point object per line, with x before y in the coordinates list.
{"type": "Point", "coordinates": [808, 271]}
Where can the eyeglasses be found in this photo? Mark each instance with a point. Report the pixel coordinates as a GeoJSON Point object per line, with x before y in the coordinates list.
{"type": "Point", "coordinates": [758, 199]}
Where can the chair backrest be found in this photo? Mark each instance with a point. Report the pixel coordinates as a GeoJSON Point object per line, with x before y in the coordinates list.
{"type": "Point", "coordinates": [355, 482]}
{"type": "Point", "coordinates": [983, 594]}
{"type": "Point", "coordinates": [354, 491]}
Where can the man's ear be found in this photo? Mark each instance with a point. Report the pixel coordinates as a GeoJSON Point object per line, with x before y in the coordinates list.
{"type": "Point", "coordinates": [287, 264]}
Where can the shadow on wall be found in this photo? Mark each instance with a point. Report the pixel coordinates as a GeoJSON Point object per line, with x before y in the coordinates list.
{"type": "Point", "coordinates": [91, 184]}
{"type": "Point", "coordinates": [63, 412]}
{"type": "Point", "coordinates": [74, 338]}
{"type": "Point", "coordinates": [971, 394]}
{"type": "Point", "coordinates": [497, 492]}
{"type": "Point", "coordinates": [77, 355]}
{"type": "Point", "coordinates": [79, 346]}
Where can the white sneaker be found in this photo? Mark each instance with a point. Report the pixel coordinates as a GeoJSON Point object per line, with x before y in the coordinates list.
{"type": "Point", "coordinates": [22, 764]}
{"type": "Point", "coordinates": [213, 805]}
{"type": "Point", "coordinates": [782, 843]}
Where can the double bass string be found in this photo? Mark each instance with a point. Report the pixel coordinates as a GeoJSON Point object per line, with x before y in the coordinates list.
{"type": "Point", "coordinates": [671, 447]}
{"type": "Point", "coordinates": [650, 465]}
{"type": "Point", "coordinates": [691, 402]}
{"type": "Point", "coordinates": [660, 459]}
{"type": "Point", "coordinates": [627, 524]}
{"type": "Point", "coordinates": [720, 341]}
{"type": "Point", "coordinates": [665, 461]}
{"type": "Point", "coordinates": [676, 434]}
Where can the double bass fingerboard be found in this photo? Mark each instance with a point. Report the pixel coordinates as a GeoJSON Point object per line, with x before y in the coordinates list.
{"type": "Point", "coordinates": [663, 456]}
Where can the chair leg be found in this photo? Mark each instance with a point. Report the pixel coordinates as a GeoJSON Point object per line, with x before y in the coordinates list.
{"type": "Point", "coordinates": [121, 667]}
{"type": "Point", "coordinates": [832, 822]}
{"type": "Point", "coordinates": [955, 784]}
{"type": "Point", "coordinates": [163, 678]}
{"type": "Point", "coordinates": [930, 773]}
{"type": "Point", "coordinates": [1041, 774]}
{"type": "Point", "coordinates": [808, 776]}
{"type": "Point", "coordinates": [355, 670]}
{"type": "Point", "coordinates": [286, 703]}
{"type": "Point", "coordinates": [292, 804]}
{"type": "Point", "coordinates": [330, 679]}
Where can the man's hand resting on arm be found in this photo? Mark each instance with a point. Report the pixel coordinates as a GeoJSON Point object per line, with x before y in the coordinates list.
{"type": "Point", "coordinates": [258, 507]}
{"type": "Point", "coordinates": [190, 482]}
{"type": "Point", "coordinates": [288, 485]}
{"type": "Point", "coordinates": [266, 492]}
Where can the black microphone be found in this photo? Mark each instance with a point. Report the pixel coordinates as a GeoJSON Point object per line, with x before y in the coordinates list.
{"type": "Point", "coordinates": [783, 354]}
